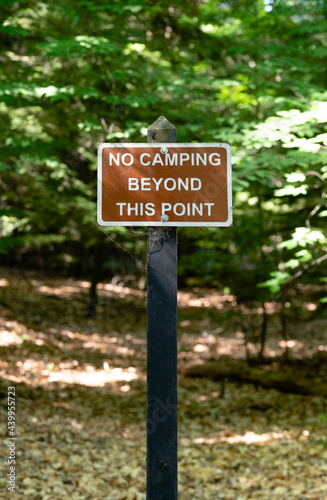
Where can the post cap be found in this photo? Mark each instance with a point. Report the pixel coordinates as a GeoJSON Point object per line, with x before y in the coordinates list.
{"type": "Point", "coordinates": [161, 131]}
{"type": "Point", "coordinates": [162, 123]}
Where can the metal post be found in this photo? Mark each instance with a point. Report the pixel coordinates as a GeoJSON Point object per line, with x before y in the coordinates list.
{"type": "Point", "coordinates": [162, 348]}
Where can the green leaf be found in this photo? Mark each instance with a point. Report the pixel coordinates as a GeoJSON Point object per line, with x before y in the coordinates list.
{"type": "Point", "coordinates": [303, 237]}
{"type": "Point", "coordinates": [295, 177]}
{"type": "Point", "coordinates": [289, 190]}
{"type": "Point", "coordinates": [78, 46]}
{"type": "Point", "coordinates": [278, 279]}
{"type": "Point", "coordinates": [133, 8]}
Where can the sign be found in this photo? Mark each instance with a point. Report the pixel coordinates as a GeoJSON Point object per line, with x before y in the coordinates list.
{"type": "Point", "coordinates": [171, 184]}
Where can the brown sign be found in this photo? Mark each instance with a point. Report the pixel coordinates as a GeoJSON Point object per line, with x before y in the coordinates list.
{"type": "Point", "coordinates": [164, 184]}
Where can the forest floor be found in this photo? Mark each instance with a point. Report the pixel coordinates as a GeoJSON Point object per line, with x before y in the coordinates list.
{"type": "Point", "coordinates": [80, 392]}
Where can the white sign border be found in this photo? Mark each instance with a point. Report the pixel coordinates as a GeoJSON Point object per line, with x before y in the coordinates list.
{"type": "Point", "coordinates": [159, 223]}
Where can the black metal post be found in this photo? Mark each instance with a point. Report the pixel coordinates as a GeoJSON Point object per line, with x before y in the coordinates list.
{"type": "Point", "coordinates": [162, 348]}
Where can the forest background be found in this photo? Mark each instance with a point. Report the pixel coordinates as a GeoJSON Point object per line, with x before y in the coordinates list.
{"type": "Point", "coordinates": [75, 74]}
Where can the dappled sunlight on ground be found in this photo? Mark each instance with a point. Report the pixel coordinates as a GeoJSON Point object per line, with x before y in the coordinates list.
{"type": "Point", "coordinates": [202, 298]}
{"type": "Point", "coordinates": [249, 437]}
{"type": "Point", "coordinates": [37, 372]}
{"type": "Point", "coordinates": [91, 377]}
{"type": "Point", "coordinates": [81, 389]}
{"type": "Point", "coordinates": [205, 298]}
{"type": "Point", "coordinates": [11, 332]}
{"type": "Point", "coordinates": [61, 290]}
{"type": "Point", "coordinates": [8, 338]}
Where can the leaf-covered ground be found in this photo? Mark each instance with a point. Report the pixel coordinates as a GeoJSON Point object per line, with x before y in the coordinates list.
{"type": "Point", "coordinates": [81, 402]}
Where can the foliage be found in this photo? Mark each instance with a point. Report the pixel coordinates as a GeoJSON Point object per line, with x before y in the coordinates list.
{"type": "Point", "coordinates": [250, 73]}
